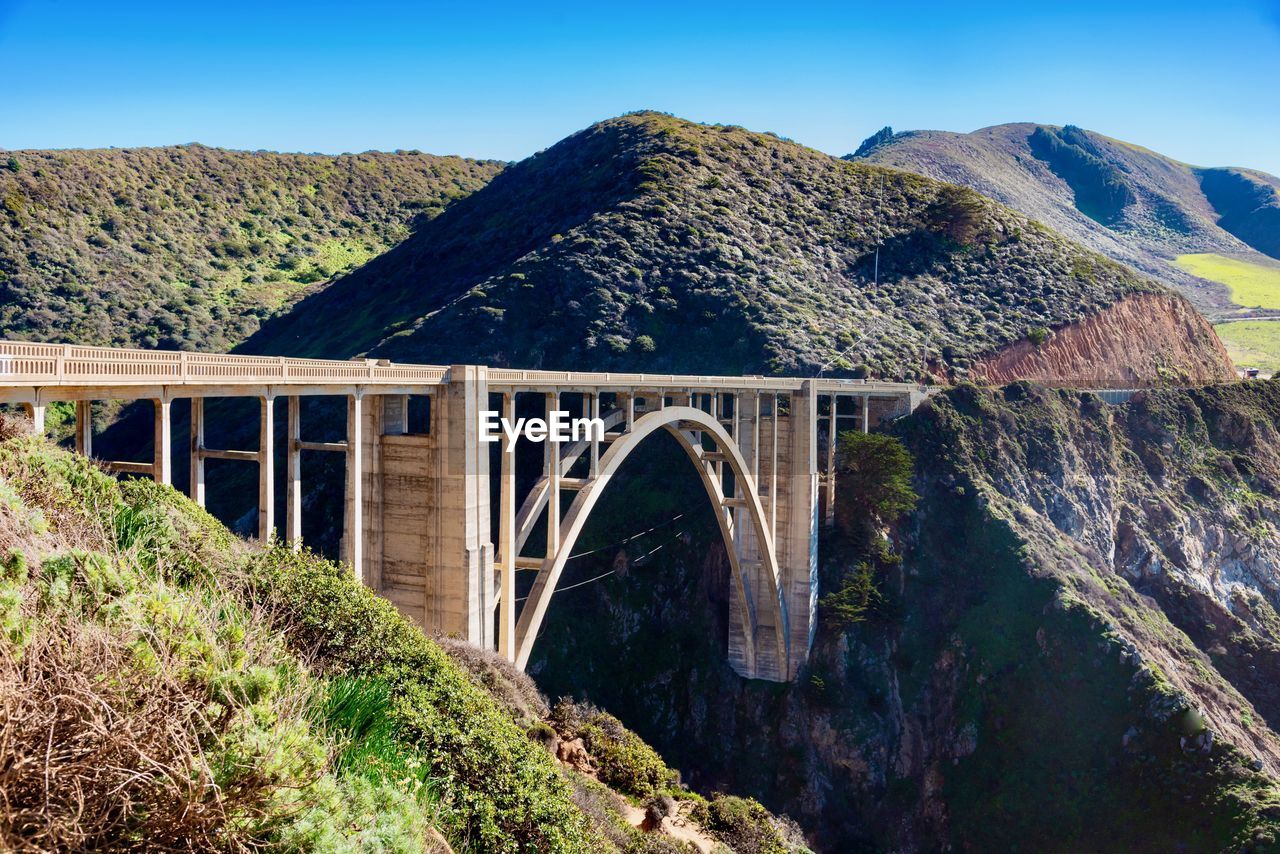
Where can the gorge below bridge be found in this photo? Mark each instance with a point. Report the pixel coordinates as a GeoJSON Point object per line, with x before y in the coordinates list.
{"type": "Point", "coordinates": [419, 519]}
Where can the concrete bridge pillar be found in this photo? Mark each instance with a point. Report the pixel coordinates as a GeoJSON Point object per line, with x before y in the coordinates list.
{"type": "Point", "coordinates": [266, 468]}
{"type": "Point", "coordinates": [460, 590]}
{"type": "Point", "coordinates": [797, 523]}
{"type": "Point", "coordinates": [35, 411]}
{"type": "Point", "coordinates": [162, 465]}
{"type": "Point", "coordinates": [84, 427]}
{"type": "Point", "coordinates": [748, 548]}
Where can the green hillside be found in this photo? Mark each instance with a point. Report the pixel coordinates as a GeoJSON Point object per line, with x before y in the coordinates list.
{"type": "Point", "coordinates": [164, 686]}
{"type": "Point", "coordinates": [1252, 284]}
{"type": "Point", "coordinates": [652, 242]}
{"type": "Point", "coordinates": [1252, 343]}
{"type": "Point", "coordinates": [1249, 202]}
{"type": "Point", "coordinates": [192, 247]}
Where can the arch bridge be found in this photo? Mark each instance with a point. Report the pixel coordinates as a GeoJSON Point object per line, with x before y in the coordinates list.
{"type": "Point", "coordinates": [420, 506]}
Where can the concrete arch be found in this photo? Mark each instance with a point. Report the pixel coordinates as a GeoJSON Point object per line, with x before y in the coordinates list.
{"type": "Point", "coordinates": [683, 422]}
{"type": "Point", "coordinates": [536, 501]}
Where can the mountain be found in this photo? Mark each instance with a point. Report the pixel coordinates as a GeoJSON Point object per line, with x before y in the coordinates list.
{"type": "Point", "coordinates": [1127, 202]}
{"type": "Point", "coordinates": [650, 242]}
{"type": "Point", "coordinates": [191, 247]}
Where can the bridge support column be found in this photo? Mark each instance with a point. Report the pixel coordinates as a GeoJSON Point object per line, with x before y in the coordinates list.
{"type": "Point", "coordinates": [162, 466]}
{"type": "Point", "coordinates": [832, 432]}
{"type": "Point", "coordinates": [507, 537]}
{"type": "Point", "coordinates": [460, 589]}
{"type": "Point", "coordinates": [551, 459]}
{"type": "Point", "coordinates": [797, 524]}
{"type": "Point", "coordinates": [197, 450]}
{"type": "Point", "coordinates": [266, 468]}
{"type": "Point", "coordinates": [293, 484]}
{"type": "Point", "coordinates": [750, 564]}
{"type": "Point", "coordinates": [84, 428]}
{"type": "Point", "coordinates": [35, 411]}
{"type": "Point", "coordinates": [353, 519]}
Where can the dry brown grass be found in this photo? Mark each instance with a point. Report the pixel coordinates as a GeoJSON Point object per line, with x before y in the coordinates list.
{"type": "Point", "coordinates": [89, 761]}
{"type": "Point", "coordinates": [514, 689]}
{"type": "Point", "coordinates": [112, 733]}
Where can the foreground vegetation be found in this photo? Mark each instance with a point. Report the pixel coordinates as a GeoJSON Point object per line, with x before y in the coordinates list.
{"type": "Point", "coordinates": [192, 247]}
{"type": "Point", "coordinates": [163, 685]}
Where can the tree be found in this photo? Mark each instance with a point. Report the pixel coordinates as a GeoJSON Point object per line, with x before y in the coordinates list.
{"type": "Point", "coordinates": [873, 486]}
{"type": "Point", "coordinates": [873, 481]}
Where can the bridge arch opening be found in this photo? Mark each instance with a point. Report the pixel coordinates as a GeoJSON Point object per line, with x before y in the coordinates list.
{"type": "Point", "coordinates": [747, 535]}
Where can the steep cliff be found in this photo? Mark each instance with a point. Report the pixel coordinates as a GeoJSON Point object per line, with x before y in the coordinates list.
{"type": "Point", "coordinates": [1078, 649]}
{"type": "Point", "coordinates": [1142, 340]}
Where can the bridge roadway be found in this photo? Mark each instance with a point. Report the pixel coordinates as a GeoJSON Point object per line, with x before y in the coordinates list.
{"type": "Point", "coordinates": [418, 506]}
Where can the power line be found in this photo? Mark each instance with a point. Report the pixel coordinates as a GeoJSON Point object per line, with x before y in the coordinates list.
{"type": "Point", "coordinates": [612, 571]}
{"type": "Point", "coordinates": [615, 545]}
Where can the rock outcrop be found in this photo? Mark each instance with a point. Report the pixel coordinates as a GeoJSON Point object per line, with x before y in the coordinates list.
{"type": "Point", "coordinates": [1142, 340]}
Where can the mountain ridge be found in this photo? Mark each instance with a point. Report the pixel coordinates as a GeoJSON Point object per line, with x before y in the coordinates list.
{"type": "Point", "coordinates": [648, 242]}
{"type": "Point", "coordinates": [1170, 207]}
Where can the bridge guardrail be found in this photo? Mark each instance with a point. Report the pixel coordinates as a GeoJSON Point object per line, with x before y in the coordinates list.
{"type": "Point", "coordinates": [29, 363]}
{"type": "Point", "coordinates": [38, 364]}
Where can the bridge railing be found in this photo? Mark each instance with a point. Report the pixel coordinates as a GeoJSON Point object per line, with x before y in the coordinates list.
{"type": "Point", "coordinates": [64, 364]}
{"type": "Point", "coordinates": [35, 364]}
{"type": "Point", "coordinates": [1114, 396]}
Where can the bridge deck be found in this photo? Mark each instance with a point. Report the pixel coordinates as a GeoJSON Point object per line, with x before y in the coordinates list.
{"type": "Point", "coordinates": [25, 365]}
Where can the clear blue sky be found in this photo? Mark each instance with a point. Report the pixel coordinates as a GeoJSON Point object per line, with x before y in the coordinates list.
{"type": "Point", "coordinates": [1198, 81]}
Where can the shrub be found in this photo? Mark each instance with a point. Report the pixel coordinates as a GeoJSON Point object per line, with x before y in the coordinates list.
{"type": "Point", "coordinates": [873, 480]}
{"type": "Point", "coordinates": [500, 791]}
{"type": "Point", "coordinates": [622, 758]}
{"type": "Point", "coordinates": [1037, 335]}
{"type": "Point", "coordinates": [208, 733]}
{"type": "Point", "coordinates": [742, 824]}
{"type": "Point", "coordinates": [857, 598]}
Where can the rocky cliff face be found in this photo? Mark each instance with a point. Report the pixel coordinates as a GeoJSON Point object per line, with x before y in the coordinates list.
{"type": "Point", "coordinates": [1142, 340]}
{"type": "Point", "coordinates": [1079, 646]}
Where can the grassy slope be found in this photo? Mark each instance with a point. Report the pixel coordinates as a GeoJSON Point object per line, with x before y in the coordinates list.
{"type": "Point", "coordinates": [1252, 343]}
{"type": "Point", "coordinates": [191, 247]}
{"type": "Point", "coordinates": [1252, 284]}
{"type": "Point", "coordinates": [1173, 208]}
{"type": "Point", "coordinates": [299, 710]}
{"type": "Point", "coordinates": [648, 241]}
